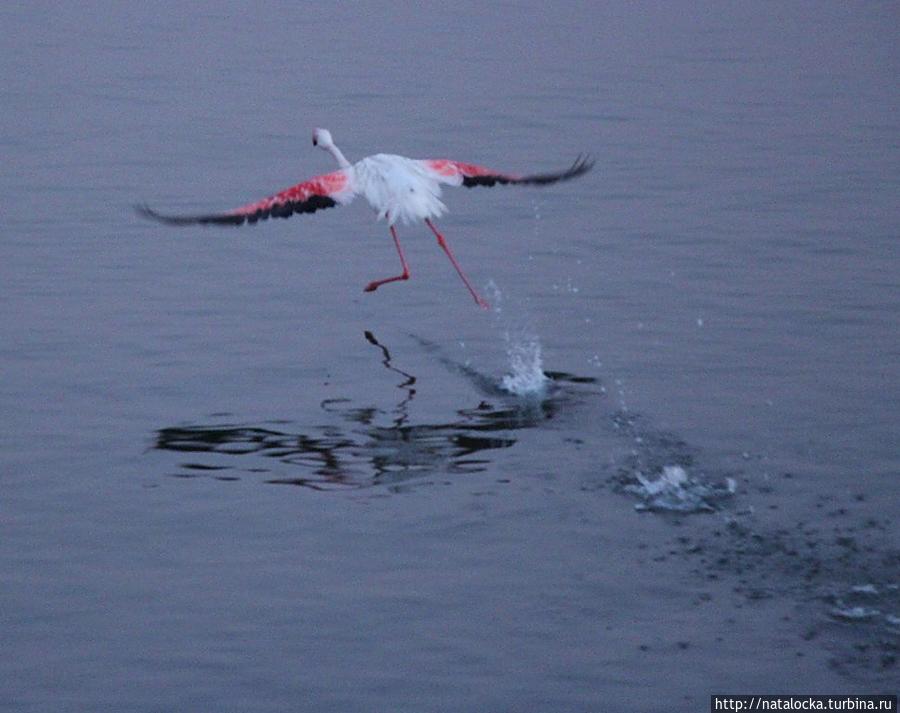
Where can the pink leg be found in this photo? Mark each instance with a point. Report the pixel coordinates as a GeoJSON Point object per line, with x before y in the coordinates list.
{"type": "Point", "coordinates": [446, 249]}
{"type": "Point", "coordinates": [372, 286]}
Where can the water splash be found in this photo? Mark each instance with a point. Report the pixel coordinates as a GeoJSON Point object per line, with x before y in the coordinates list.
{"type": "Point", "coordinates": [523, 352]}
{"type": "Point", "coordinates": [675, 491]}
{"type": "Point", "coordinates": [867, 603]}
{"type": "Point", "coordinates": [526, 377]}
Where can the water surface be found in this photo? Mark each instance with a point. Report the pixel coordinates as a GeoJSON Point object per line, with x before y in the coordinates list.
{"type": "Point", "coordinates": [234, 481]}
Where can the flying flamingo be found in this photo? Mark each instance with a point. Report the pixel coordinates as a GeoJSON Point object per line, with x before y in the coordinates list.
{"type": "Point", "coordinates": [397, 188]}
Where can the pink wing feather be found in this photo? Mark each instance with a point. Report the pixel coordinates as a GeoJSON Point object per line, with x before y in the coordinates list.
{"type": "Point", "coordinates": [326, 191]}
{"type": "Point", "coordinates": [456, 173]}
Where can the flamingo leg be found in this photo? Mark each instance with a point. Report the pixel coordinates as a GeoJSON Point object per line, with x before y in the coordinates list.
{"type": "Point", "coordinates": [446, 249]}
{"type": "Point", "coordinates": [372, 286]}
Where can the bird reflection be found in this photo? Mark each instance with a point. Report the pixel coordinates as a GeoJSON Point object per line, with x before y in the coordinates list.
{"type": "Point", "coordinates": [356, 452]}
{"type": "Point", "coordinates": [407, 385]}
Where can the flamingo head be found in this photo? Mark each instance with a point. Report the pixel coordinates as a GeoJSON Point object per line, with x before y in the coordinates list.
{"type": "Point", "coordinates": [322, 137]}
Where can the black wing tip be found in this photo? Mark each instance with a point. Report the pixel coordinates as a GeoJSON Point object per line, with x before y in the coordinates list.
{"type": "Point", "coordinates": [583, 163]}
{"type": "Point", "coordinates": [145, 211]}
{"type": "Point", "coordinates": [279, 210]}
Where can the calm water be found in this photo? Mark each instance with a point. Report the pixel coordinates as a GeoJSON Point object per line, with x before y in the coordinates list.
{"type": "Point", "coordinates": [233, 481]}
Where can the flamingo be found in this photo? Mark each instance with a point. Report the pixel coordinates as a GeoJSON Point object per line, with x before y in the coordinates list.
{"type": "Point", "coordinates": [396, 187]}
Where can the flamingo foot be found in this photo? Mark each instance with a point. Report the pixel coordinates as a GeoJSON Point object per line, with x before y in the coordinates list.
{"type": "Point", "coordinates": [372, 286]}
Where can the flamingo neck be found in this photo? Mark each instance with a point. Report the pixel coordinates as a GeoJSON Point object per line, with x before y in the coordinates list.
{"type": "Point", "coordinates": [338, 156]}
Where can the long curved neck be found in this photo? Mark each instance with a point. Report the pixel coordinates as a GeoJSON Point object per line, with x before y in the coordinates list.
{"type": "Point", "coordinates": [338, 156]}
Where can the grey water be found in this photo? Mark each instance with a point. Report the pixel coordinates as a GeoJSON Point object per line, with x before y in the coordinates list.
{"type": "Point", "coordinates": [663, 465]}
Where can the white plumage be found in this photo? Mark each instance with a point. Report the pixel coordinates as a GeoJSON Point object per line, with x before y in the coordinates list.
{"type": "Point", "coordinates": [398, 188]}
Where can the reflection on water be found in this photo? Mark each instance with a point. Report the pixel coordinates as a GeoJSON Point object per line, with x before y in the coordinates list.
{"type": "Point", "coordinates": [359, 450]}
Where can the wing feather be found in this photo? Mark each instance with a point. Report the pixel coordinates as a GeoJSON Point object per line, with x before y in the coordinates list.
{"type": "Point", "coordinates": [326, 191]}
{"type": "Point", "coordinates": [456, 173]}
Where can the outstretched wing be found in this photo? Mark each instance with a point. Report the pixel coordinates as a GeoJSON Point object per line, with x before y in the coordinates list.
{"type": "Point", "coordinates": [455, 173]}
{"type": "Point", "coordinates": [327, 191]}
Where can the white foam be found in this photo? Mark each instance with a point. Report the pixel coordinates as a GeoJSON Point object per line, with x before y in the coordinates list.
{"type": "Point", "coordinates": [526, 377]}
{"type": "Point", "coordinates": [864, 589]}
{"type": "Point", "coordinates": [675, 491]}
{"type": "Point", "coordinates": [523, 353]}
{"type": "Point", "coordinates": [854, 613]}
{"type": "Point", "coordinates": [672, 479]}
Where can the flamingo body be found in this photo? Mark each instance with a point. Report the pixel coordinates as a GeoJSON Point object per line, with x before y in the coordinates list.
{"type": "Point", "coordinates": [396, 187]}
{"type": "Point", "coordinates": [399, 188]}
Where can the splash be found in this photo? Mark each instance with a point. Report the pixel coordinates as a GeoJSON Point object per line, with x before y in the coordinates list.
{"type": "Point", "coordinates": [867, 603]}
{"type": "Point", "coordinates": [526, 377]}
{"type": "Point", "coordinates": [675, 491]}
{"type": "Point", "coordinates": [523, 352]}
